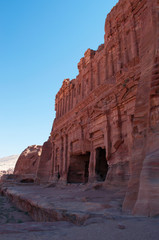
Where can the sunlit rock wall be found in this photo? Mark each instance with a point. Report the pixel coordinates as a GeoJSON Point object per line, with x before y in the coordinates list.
{"type": "Point", "coordinates": [106, 125]}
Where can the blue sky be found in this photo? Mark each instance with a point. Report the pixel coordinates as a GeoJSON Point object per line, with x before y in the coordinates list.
{"type": "Point", "coordinates": [41, 43]}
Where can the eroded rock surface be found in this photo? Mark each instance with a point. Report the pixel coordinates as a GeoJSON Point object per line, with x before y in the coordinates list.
{"type": "Point", "coordinates": [28, 161]}
{"type": "Point", "coordinates": [75, 213]}
{"type": "Point", "coordinates": [10, 214]}
{"type": "Point", "coordinates": [45, 167]}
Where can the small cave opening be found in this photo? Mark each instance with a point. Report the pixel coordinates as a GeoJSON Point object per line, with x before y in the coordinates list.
{"type": "Point", "coordinates": [101, 168]}
{"type": "Point", "coordinates": [78, 171]}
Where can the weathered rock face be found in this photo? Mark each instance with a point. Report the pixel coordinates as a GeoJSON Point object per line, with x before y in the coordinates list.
{"type": "Point", "coordinates": [148, 195]}
{"type": "Point", "coordinates": [28, 161]}
{"type": "Point", "coordinates": [143, 165]}
{"type": "Point", "coordinates": [45, 164]}
{"type": "Point", "coordinates": [107, 119]}
{"type": "Point", "coordinates": [92, 133]}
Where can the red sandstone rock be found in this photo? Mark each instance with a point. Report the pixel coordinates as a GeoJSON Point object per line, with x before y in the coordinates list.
{"type": "Point", "coordinates": [28, 161]}
{"type": "Point", "coordinates": [92, 133]}
{"type": "Point", "coordinates": [148, 195]}
{"type": "Point", "coordinates": [107, 119]}
{"type": "Point", "coordinates": [45, 164]}
{"type": "Point", "coordinates": [142, 197]}
{"type": "Point", "coordinates": [103, 117]}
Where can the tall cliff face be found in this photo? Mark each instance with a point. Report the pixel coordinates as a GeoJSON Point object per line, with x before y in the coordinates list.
{"type": "Point", "coordinates": [95, 111]}
{"type": "Point", "coordinates": [143, 195]}
{"type": "Point", "coordinates": [107, 119]}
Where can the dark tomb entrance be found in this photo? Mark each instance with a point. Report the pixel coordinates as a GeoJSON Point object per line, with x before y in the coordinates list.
{"type": "Point", "coordinates": [101, 164]}
{"type": "Point", "coordinates": [78, 171]}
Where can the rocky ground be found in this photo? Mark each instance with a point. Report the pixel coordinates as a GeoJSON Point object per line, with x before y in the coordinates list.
{"type": "Point", "coordinates": [10, 214]}
{"type": "Point", "coordinates": [79, 212]}
{"type": "Point", "coordinates": [104, 230]}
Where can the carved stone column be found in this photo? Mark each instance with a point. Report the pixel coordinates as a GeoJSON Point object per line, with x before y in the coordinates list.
{"type": "Point", "coordinates": [65, 157]}
{"type": "Point", "coordinates": [92, 165]}
{"type": "Point", "coordinates": [107, 135]}
{"type": "Point", "coordinates": [53, 160]}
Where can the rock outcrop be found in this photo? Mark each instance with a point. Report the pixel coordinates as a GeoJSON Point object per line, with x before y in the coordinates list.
{"type": "Point", "coordinates": [28, 161]}
{"type": "Point", "coordinates": [44, 168]}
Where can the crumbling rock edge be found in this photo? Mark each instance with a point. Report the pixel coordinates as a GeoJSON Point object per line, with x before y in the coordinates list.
{"type": "Point", "coordinates": [78, 211]}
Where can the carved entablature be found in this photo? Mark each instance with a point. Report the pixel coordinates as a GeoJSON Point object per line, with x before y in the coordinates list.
{"type": "Point", "coordinates": [65, 86]}
{"type": "Point", "coordinates": [104, 104]}
{"type": "Point", "coordinates": [115, 18]}
{"type": "Point", "coordinates": [81, 64]}
{"type": "Point", "coordinates": [89, 54]}
{"type": "Point", "coordinates": [127, 90]}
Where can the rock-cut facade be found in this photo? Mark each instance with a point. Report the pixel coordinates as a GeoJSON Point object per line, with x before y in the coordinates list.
{"type": "Point", "coordinates": [106, 127]}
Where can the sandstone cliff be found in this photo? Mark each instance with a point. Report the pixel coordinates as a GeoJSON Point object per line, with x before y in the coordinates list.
{"type": "Point", "coordinates": [28, 161]}
{"type": "Point", "coordinates": [107, 119]}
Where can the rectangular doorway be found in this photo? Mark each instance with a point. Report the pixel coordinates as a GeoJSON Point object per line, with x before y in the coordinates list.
{"type": "Point", "coordinates": [78, 171]}
{"type": "Point", "coordinates": [101, 168]}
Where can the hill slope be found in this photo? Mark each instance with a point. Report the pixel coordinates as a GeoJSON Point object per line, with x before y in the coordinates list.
{"type": "Point", "coordinates": [8, 162]}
